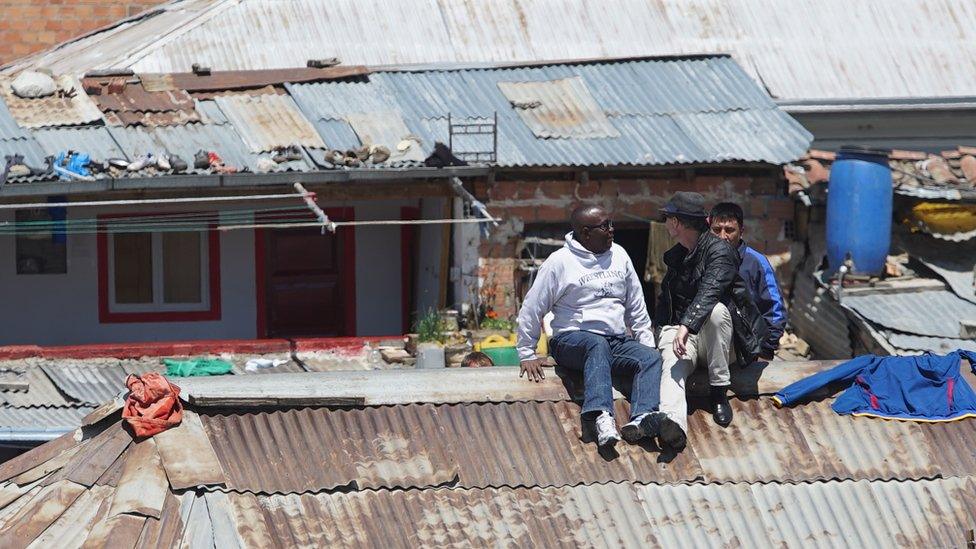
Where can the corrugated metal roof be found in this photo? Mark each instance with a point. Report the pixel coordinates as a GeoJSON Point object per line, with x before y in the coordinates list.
{"type": "Point", "coordinates": [818, 319]}
{"type": "Point", "coordinates": [95, 141]}
{"type": "Point", "coordinates": [538, 444]}
{"type": "Point", "coordinates": [708, 124]}
{"type": "Point", "coordinates": [85, 384]}
{"type": "Point", "coordinates": [70, 106]}
{"type": "Point", "coordinates": [858, 50]}
{"type": "Point", "coordinates": [267, 122]}
{"type": "Point", "coordinates": [385, 128]}
{"type": "Point", "coordinates": [41, 391]}
{"type": "Point", "coordinates": [9, 129]}
{"type": "Point", "coordinates": [26, 425]}
{"type": "Point", "coordinates": [556, 109]}
{"type": "Point", "coordinates": [915, 344]}
{"type": "Point", "coordinates": [931, 313]}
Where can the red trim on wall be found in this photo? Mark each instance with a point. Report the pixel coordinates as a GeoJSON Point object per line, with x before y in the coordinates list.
{"type": "Point", "coordinates": [105, 316]}
{"type": "Point", "coordinates": [407, 237]}
{"type": "Point", "coordinates": [260, 283]}
{"type": "Point", "coordinates": [347, 237]}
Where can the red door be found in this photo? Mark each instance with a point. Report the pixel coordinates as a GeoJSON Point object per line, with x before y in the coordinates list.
{"type": "Point", "coordinates": [308, 282]}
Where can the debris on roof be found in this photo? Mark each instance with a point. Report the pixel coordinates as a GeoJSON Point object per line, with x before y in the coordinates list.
{"type": "Point", "coordinates": [489, 473]}
{"type": "Point", "coordinates": [129, 103]}
{"type": "Point", "coordinates": [69, 106]}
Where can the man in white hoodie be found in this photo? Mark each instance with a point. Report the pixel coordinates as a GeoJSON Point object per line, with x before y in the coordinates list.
{"type": "Point", "coordinates": [600, 327]}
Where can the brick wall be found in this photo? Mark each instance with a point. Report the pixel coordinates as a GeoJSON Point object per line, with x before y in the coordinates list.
{"type": "Point", "coordinates": [520, 202]}
{"type": "Point", "coordinates": [27, 26]}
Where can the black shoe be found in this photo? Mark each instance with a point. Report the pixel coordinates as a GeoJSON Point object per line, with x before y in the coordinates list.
{"type": "Point", "coordinates": [671, 435]}
{"type": "Point", "coordinates": [647, 426]}
{"type": "Point", "coordinates": [177, 164]}
{"type": "Point", "coordinates": [721, 409]}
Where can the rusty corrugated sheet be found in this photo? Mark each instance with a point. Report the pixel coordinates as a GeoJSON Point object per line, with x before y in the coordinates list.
{"type": "Point", "coordinates": [69, 106]}
{"type": "Point", "coordinates": [602, 516]}
{"type": "Point", "coordinates": [538, 444]}
{"type": "Point", "coordinates": [562, 108]}
{"type": "Point", "coordinates": [267, 122]}
{"type": "Point", "coordinates": [128, 103]}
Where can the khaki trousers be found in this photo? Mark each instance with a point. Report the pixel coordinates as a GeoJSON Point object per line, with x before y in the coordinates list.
{"type": "Point", "coordinates": [711, 346]}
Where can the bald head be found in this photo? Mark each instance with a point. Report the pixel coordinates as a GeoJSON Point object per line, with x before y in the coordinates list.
{"type": "Point", "coordinates": [592, 228]}
{"type": "Point", "coordinates": [587, 214]}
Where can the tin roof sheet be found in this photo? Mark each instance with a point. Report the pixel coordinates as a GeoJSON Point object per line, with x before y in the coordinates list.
{"type": "Point", "coordinates": [556, 109]}
{"type": "Point", "coordinates": [70, 106]}
{"type": "Point", "coordinates": [902, 311]}
{"type": "Point", "coordinates": [9, 129]}
{"type": "Point", "coordinates": [88, 385]}
{"type": "Point", "coordinates": [709, 124]}
{"type": "Point", "coordinates": [96, 141]}
{"type": "Point", "coordinates": [537, 444]}
{"type": "Point", "coordinates": [268, 122]}
{"type": "Point", "coordinates": [916, 344]}
{"type": "Point", "coordinates": [129, 103]}
{"type": "Point", "coordinates": [859, 50]}
{"type": "Point", "coordinates": [41, 391]}
{"type": "Point", "coordinates": [39, 424]}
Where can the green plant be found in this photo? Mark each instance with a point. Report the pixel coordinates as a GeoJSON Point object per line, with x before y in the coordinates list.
{"type": "Point", "coordinates": [497, 324]}
{"type": "Point", "coordinates": [430, 327]}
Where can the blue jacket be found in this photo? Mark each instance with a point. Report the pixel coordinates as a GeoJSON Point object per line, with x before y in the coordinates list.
{"type": "Point", "coordinates": [760, 278]}
{"type": "Point", "coordinates": [919, 388]}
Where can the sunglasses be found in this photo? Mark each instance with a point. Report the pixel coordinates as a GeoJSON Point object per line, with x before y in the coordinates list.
{"type": "Point", "coordinates": [606, 225]}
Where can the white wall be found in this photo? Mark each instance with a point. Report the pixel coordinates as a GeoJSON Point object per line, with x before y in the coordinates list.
{"type": "Point", "coordinates": [63, 309]}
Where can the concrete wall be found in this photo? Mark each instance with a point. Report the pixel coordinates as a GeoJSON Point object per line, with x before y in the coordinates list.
{"type": "Point", "coordinates": [27, 26]}
{"type": "Point", "coordinates": [62, 309]}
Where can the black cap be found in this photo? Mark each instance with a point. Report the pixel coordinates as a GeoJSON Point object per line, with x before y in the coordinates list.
{"type": "Point", "coordinates": [686, 204]}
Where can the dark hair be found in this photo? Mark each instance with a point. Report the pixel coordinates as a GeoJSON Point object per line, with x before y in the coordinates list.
{"type": "Point", "coordinates": [728, 210]}
{"type": "Point", "coordinates": [476, 360]}
{"type": "Point", "coordinates": [699, 224]}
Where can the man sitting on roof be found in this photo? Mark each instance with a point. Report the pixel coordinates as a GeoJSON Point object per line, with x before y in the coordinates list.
{"type": "Point", "coordinates": [703, 304]}
{"type": "Point", "coordinates": [593, 291]}
{"type": "Point", "coordinates": [726, 220]}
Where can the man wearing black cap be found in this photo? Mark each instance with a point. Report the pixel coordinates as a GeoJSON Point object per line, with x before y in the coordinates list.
{"type": "Point", "coordinates": [698, 308]}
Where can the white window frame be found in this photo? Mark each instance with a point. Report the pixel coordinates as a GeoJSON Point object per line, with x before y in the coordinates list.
{"type": "Point", "coordinates": [158, 305]}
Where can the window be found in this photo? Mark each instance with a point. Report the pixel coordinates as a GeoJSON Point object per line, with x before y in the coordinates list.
{"type": "Point", "coordinates": [159, 276]}
{"type": "Point", "coordinates": [41, 251]}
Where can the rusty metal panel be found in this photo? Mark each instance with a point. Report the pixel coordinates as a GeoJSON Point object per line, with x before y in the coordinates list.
{"type": "Point", "coordinates": [120, 531]}
{"type": "Point", "coordinates": [39, 455]}
{"type": "Point", "coordinates": [277, 452]}
{"type": "Point", "coordinates": [187, 455]}
{"type": "Point", "coordinates": [167, 530]}
{"type": "Point", "coordinates": [69, 106]}
{"type": "Point", "coordinates": [126, 103]}
{"type": "Point", "coordinates": [703, 515]}
{"type": "Point", "coordinates": [556, 109]}
{"type": "Point", "coordinates": [952, 442]}
{"type": "Point", "coordinates": [73, 527]}
{"type": "Point", "coordinates": [98, 455]}
{"type": "Point", "coordinates": [585, 516]}
{"type": "Point", "coordinates": [267, 122]}
{"type": "Point", "coordinates": [143, 486]}
{"type": "Point", "coordinates": [42, 509]}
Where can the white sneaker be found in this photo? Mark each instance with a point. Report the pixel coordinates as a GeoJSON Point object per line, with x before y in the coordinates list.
{"type": "Point", "coordinates": [606, 430]}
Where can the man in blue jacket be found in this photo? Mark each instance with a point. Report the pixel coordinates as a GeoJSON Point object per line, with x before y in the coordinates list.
{"type": "Point", "coordinates": [726, 221]}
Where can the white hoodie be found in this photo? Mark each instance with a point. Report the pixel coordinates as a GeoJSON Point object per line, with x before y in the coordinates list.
{"type": "Point", "coordinates": [598, 293]}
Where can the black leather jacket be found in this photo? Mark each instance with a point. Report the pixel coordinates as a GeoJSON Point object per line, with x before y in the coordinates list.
{"type": "Point", "coordinates": [696, 282]}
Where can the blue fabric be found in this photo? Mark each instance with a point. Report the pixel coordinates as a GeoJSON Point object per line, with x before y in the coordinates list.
{"type": "Point", "coordinates": [923, 388]}
{"type": "Point", "coordinates": [599, 357]}
{"type": "Point", "coordinates": [760, 278]}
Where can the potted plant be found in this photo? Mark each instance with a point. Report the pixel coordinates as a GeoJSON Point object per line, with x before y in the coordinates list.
{"type": "Point", "coordinates": [430, 330]}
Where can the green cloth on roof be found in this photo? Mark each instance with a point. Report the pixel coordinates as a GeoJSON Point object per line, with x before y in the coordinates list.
{"type": "Point", "coordinates": [197, 367]}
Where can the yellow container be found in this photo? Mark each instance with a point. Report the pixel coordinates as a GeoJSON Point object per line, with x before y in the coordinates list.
{"type": "Point", "coordinates": [497, 342]}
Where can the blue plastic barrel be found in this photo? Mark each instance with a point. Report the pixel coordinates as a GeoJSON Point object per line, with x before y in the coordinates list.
{"type": "Point", "coordinates": [859, 210]}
